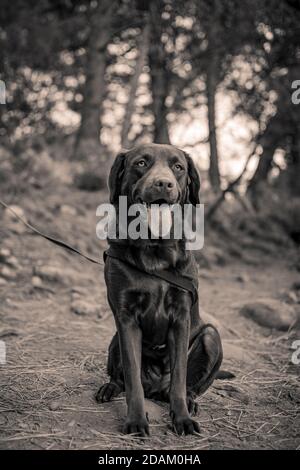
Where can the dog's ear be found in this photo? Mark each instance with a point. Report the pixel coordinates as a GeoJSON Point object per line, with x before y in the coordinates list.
{"type": "Point", "coordinates": [115, 177]}
{"type": "Point", "coordinates": [193, 182]}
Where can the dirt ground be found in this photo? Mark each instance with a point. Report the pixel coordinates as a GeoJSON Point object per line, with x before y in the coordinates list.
{"type": "Point", "coordinates": [56, 358]}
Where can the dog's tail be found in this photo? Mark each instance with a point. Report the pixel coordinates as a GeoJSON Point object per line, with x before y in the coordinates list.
{"type": "Point", "coordinates": [224, 375]}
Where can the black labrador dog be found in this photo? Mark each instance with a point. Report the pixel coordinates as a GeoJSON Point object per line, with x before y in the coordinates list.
{"type": "Point", "coordinates": [162, 348]}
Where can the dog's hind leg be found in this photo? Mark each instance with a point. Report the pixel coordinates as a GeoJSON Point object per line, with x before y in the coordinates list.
{"type": "Point", "coordinates": [204, 360]}
{"type": "Point", "coordinates": [115, 386]}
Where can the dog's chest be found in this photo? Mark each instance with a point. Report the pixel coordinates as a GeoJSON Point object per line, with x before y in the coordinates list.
{"type": "Point", "coordinates": [149, 300]}
{"type": "Point", "coordinates": [155, 307]}
{"type": "Point", "coordinates": [154, 319]}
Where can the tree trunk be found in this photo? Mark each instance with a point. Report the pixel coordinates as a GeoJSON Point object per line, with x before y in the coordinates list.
{"type": "Point", "coordinates": [140, 62]}
{"type": "Point", "coordinates": [264, 165]}
{"type": "Point", "coordinates": [211, 89]}
{"type": "Point", "coordinates": [159, 75]}
{"type": "Point", "coordinates": [87, 145]}
{"type": "Point", "coordinates": [269, 142]}
{"type": "Point", "coordinates": [294, 164]}
{"type": "Point", "coordinates": [212, 81]}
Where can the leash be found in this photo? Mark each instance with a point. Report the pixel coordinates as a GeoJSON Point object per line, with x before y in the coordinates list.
{"type": "Point", "coordinates": [183, 282]}
{"type": "Point", "coordinates": [56, 241]}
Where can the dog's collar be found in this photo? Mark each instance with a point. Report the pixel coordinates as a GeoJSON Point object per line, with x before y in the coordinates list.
{"type": "Point", "coordinates": [178, 280]}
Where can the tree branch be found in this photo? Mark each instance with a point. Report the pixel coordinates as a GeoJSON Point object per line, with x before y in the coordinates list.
{"type": "Point", "coordinates": [231, 186]}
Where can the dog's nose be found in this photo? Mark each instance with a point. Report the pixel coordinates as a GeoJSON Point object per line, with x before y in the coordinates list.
{"type": "Point", "coordinates": [164, 184]}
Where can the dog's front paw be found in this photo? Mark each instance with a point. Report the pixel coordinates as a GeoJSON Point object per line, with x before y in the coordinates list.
{"type": "Point", "coordinates": [192, 405]}
{"type": "Point", "coordinates": [107, 392]}
{"type": "Point", "coordinates": [139, 426]}
{"type": "Point", "coordinates": [184, 425]}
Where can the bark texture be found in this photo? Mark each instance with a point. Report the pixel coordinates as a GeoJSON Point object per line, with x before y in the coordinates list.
{"type": "Point", "coordinates": [87, 145]}
{"type": "Point", "coordinates": [159, 74]}
{"type": "Point", "coordinates": [130, 107]}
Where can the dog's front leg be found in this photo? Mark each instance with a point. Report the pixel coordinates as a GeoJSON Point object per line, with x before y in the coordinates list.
{"type": "Point", "coordinates": [178, 340]}
{"type": "Point", "coordinates": [130, 337]}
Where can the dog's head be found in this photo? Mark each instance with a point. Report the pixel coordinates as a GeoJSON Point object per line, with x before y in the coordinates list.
{"type": "Point", "coordinates": [154, 173]}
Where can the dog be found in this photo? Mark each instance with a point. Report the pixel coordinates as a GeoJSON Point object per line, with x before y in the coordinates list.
{"type": "Point", "coordinates": [162, 349]}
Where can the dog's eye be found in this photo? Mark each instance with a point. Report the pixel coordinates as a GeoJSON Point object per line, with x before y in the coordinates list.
{"type": "Point", "coordinates": [178, 167]}
{"type": "Point", "coordinates": [141, 163]}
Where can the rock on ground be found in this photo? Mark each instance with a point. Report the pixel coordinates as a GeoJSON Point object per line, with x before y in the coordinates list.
{"type": "Point", "coordinates": [12, 222]}
{"type": "Point", "coordinates": [228, 390]}
{"type": "Point", "coordinates": [54, 274]}
{"type": "Point", "coordinates": [84, 307]}
{"type": "Point", "coordinates": [8, 273]}
{"type": "Point", "coordinates": [36, 281]}
{"type": "Point", "coordinates": [270, 313]}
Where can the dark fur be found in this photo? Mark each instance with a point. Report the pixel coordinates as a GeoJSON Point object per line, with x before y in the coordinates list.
{"type": "Point", "coordinates": [161, 349]}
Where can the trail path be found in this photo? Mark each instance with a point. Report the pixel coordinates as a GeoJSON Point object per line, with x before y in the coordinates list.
{"type": "Point", "coordinates": [56, 358]}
